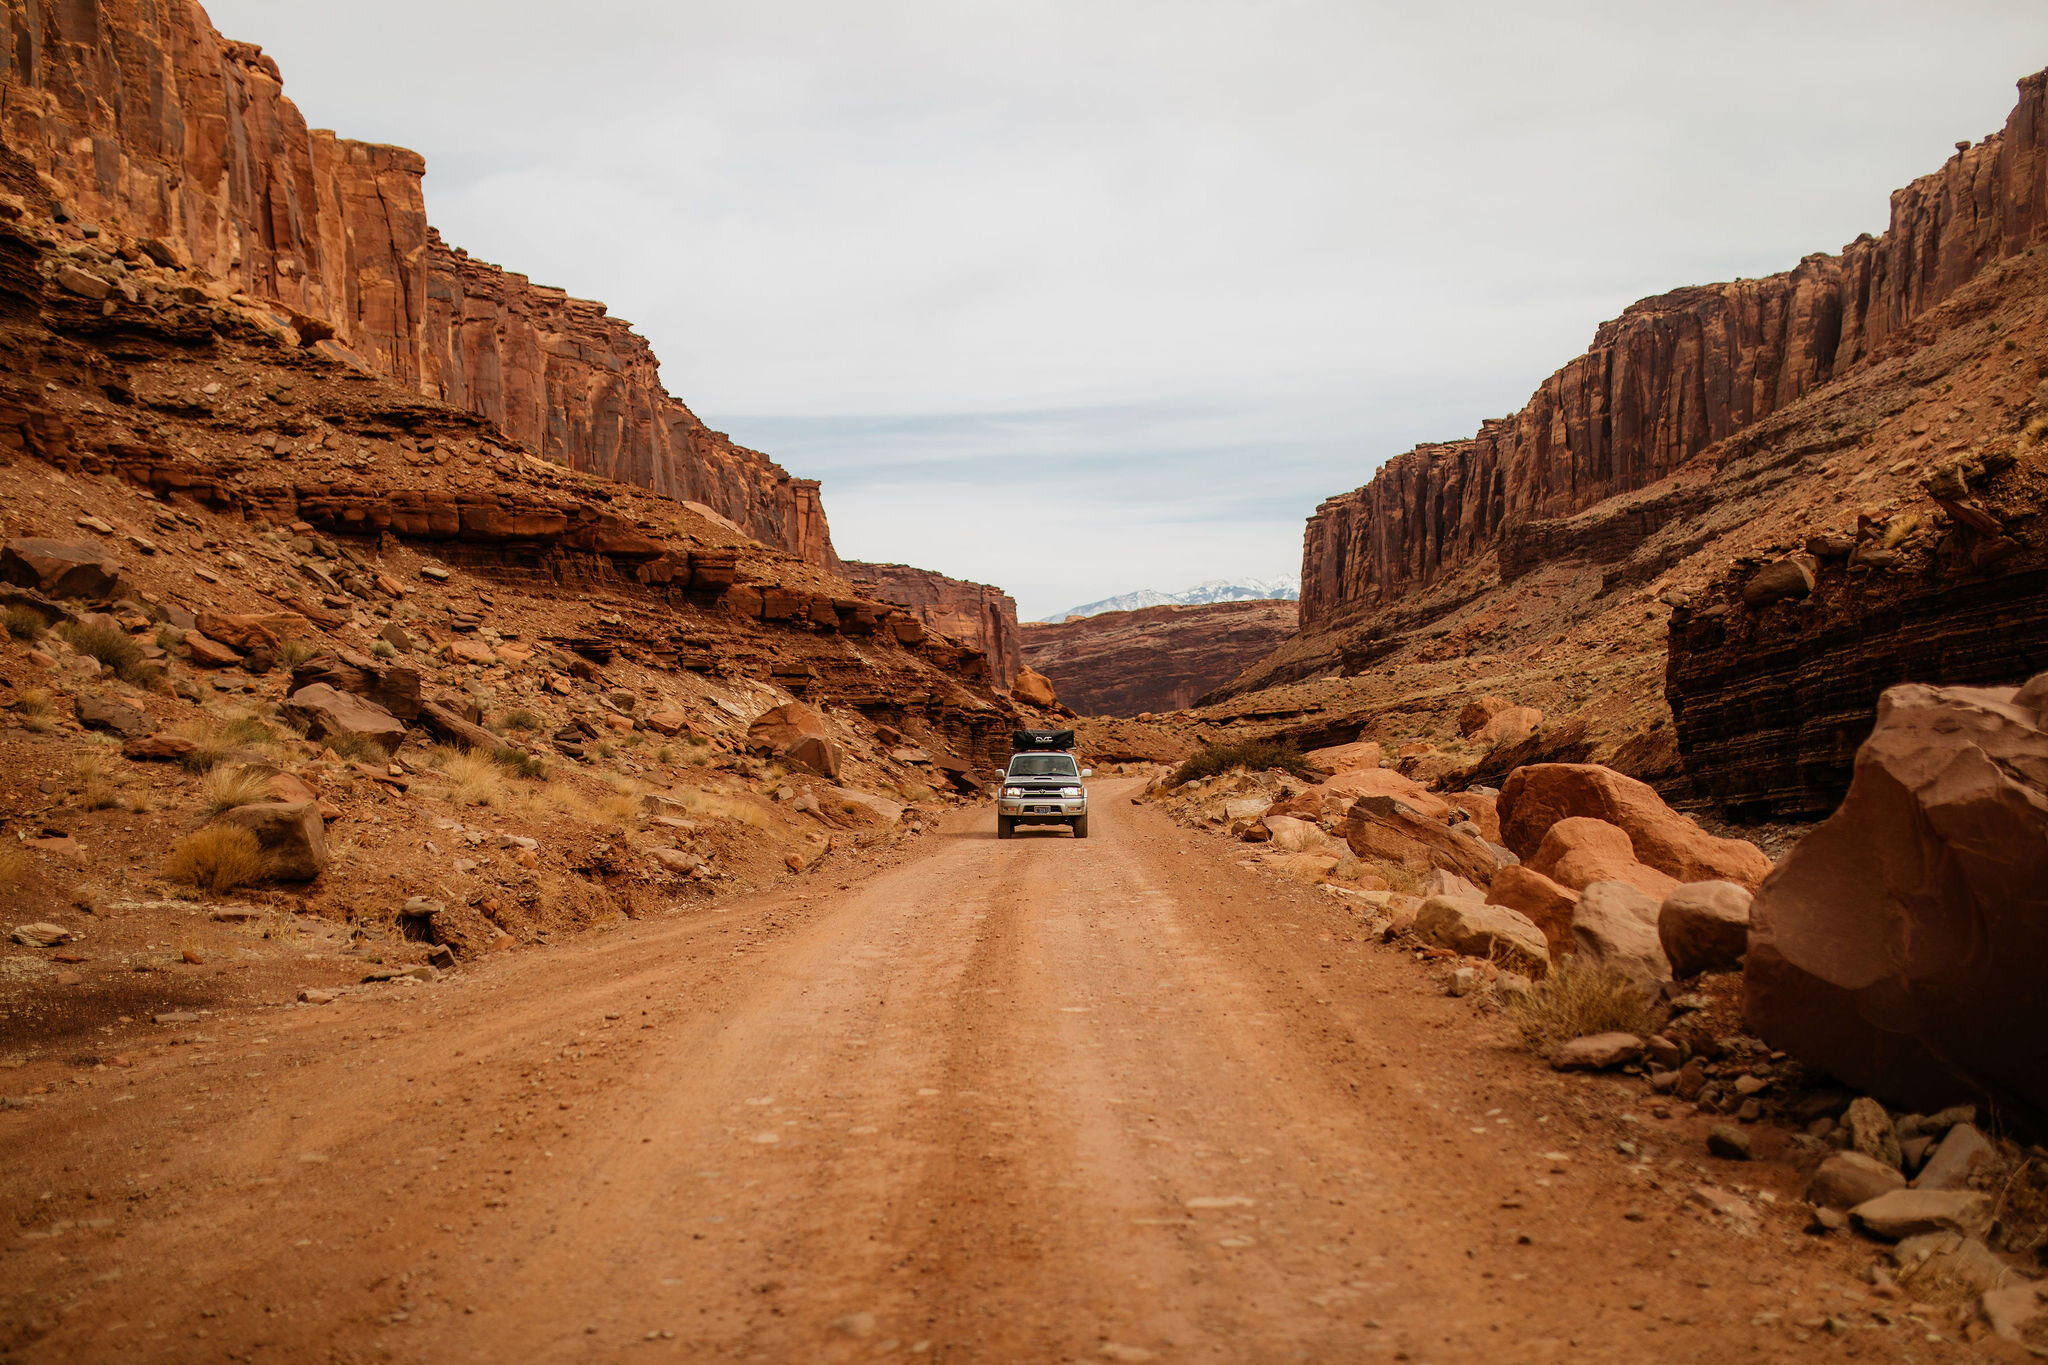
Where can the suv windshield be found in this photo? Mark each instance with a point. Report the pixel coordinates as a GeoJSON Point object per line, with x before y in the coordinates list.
{"type": "Point", "coordinates": [1044, 765]}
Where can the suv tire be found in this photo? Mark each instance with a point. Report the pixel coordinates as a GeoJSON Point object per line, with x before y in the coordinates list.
{"type": "Point", "coordinates": [1080, 827]}
{"type": "Point", "coordinates": [1006, 825]}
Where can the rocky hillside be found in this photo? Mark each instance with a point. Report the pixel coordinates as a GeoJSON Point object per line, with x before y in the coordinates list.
{"type": "Point", "coordinates": [141, 119]}
{"type": "Point", "coordinates": [1555, 581]}
{"type": "Point", "coordinates": [977, 614]}
{"type": "Point", "coordinates": [1671, 377]}
{"type": "Point", "coordinates": [1125, 663]}
{"type": "Point", "coordinates": [459, 697]}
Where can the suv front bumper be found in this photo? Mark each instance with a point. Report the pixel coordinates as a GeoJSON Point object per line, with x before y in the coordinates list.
{"type": "Point", "coordinates": [1042, 809]}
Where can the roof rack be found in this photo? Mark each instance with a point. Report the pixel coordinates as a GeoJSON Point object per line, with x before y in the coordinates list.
{"type": "Point", "coordinates": [1023, 741]}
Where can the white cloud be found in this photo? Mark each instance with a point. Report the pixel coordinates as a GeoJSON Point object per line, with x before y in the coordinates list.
{"type": "Point", "coordinates": [1306, 231]}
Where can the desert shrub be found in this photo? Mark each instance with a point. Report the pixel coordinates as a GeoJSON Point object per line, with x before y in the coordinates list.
{"type": "Point", "coordinates": [225, 788]}
{"type": "Point", "coordinates": [383, 649]}
{"type": "Point", "coordinates": [292, 653]}
{"type": "Point", "coordinates": [518, 763]}
{"type": "Point", "coordinates": [218, 858]}
{"type": "Point", "coordinates": [361, 748]}
{"type": "Point", "coordinates": [23, 623]}
{"type": "Point", "coordinates": [519, 718]}
{"type": "Point", "coordinates": [1253, 755]}
{"type": "Point", "coordinates": [115, 648]}
{"type": "Point", "coordinates": [2036, 428]}
{"type": "Point", "coordinates": [36, 709]}
{"type": "Point", "coordinates": [1575, 998]}
{"type": "Point", "coordinates": [96, 790]}
{"type": "Point", "coordinates": [664, 755]}
{"type": "Point", "coordinates": [15, 865]}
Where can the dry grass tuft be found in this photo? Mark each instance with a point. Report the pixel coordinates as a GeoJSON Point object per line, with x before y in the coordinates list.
{"type": "Point", "coordinates": [1576, 998]}
{"type": "Point", "coordinates": [519, 718]}
{"type": "Point", "coordinates": [361, 748]}
{"type": "Point", "coordinates": [225, 788]}
{"type": "Point", "coordinates": [474, 778]}
{"type": "Point", "coordinates": [115, 648]}
{"type": "Point", "coordinates": [292, 653]}
{"type": "Point", "coordinates": [96, 790]}
{"type": "Point", "coordinates": [24, 623]}
{"type": "Point", "coordinates": [218, 858]}
{"type": "Point", "coordinates": [2037, 428]}
{"type": "Point", "coordinates": [37, 710]}
{"type": "Point", "coordinates": [383, 649]}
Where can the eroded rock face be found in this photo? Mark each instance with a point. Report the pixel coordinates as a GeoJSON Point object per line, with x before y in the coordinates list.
{"type": "Point", "coordinates": [1033, 688]}
{"type": "Point", "coordinates": [975, 614]}
{"type": "Point", "coordinates": [1899, 945]}
{"type": "Point", "coordinates": [160, 127]}
{"type": "Point", "coordinates": [1670, 376]}
{"type": "Point", "coordinates": [1125, 663]}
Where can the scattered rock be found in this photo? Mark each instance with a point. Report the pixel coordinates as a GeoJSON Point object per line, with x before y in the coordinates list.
{"type": "Point", "coordinates": [41, 935]}
{"type": "Point", "coordinates": [313, 997]}
{"type": "Point", "coordinates": [1951, 1163]}
{"type": "Point", "coordinates": [1548, 905]}
{"type": "Point", "coordinates": [1477, 929]}
{"type": "Point", "coordinates": [1704, 927]}
{"type": "Point", "coordinates": [1474, 715]}
{"type": "Point", "coordinates": [160, 748]}
{"type": "Point", "coordinates": [1728, 1142]}
{"type": "Point", "coordinates": [1510, 726]}
{"type": "Point", "coordinates": [1847, 1179]}
{"type": "Point", "coordinates": [292, 834]}
{"type": "Point", "coordinates": [1897, 1214]}
{"type": "Point", "coordinates": [1384, 828]}
{"type": "Point", "coordinates": [207, 653]}
{"type": "Point", "coordinates": [116, 717]}
{"type": "Point", "coordinates": [1871, 1131]}
{"type": "Point", "coordinates": [327, 711]}
{"type": "Point", "coordinates": [59, 568]}
{"type": "Point", "coordinates": [1597, 1052]}
{"type": "Point", "coordinates": [2007, 1311]}
{"type": "Point", "coordinates": [1615, 925]}
{"type": "Point", "coordinates": [1784, 580]}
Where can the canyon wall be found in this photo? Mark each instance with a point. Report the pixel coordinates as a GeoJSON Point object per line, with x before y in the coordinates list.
{"type": "Point", "coordinates": [972, 613]}
{"type": "Point", "coordinates": [146, 120]}
{"type": "Point", "coordinates": [1673, 375]}
{"type": "Point", "coordinates": [1125, 663]}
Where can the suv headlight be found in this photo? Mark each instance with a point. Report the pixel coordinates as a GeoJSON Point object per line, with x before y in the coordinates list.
{"type": "Point", "coordinates": [1013, 791]}
{"type": "Point", "coordinates": [1070, 791]}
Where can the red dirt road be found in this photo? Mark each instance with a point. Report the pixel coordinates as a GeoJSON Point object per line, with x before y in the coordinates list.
{"type": "Point", "coordinates": [1037, 1100]}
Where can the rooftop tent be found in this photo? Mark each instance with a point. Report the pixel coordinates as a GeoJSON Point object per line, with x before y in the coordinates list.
{"type": "Point", "coordinates": [1024, 741]}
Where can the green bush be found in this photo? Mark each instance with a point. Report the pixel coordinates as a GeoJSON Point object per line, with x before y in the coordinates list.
{"type": "Point", "coordinates": [24, 623]}
{"type": "Point", "coordinates": [1253, 755]}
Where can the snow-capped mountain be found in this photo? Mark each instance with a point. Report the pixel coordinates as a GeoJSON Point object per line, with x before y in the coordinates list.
{"type": "Point", "coordinates": [1286, 587]}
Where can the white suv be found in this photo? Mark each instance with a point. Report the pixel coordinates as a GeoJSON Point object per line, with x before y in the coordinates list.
{"type": "Point", "coordinates": [1043, 789]}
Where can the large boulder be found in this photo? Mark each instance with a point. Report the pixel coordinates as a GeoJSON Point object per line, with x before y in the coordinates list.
{"type": "Point", "coordinates": [1579, 851]}
{"type": "Point", "coordinates": [60, 568]}
{"type": "Point", "coordinates": [1899, 947]}
{"type": "Point", "coordinates": [1476, 929]}
{"type": "Point", "coordinates": [1383, 828]}
{"type": "Point", "coordinates": [115, 717]}
{"type": "Point", "coordinates": [394, 687]}
{"type": "Point", "coordinates": [1473, 716]}
{"type": "Point", "coordinates": [1704, 927]}
{"type": "Point", "coordinates": [292, 835]}
{"type": "Point", "coordinates": [799, 735]}
{"type": "Point", "coordinates": [1033, 688]}
{"type": "Point", "coordinates": [327, 712]}
{"type": "Point", "coordinates": [1510, 726]}
{"type": "Point", "coordinates": [1546, 904]}
{"type": "Point", "coordinates": [1344, 758]}
{"type": "Point", "coordinates": [1615, 925]}
{"type": "Point", "coordinates": [1386, 782]}
{"type": "Point", "coordinates": [1539, 795]}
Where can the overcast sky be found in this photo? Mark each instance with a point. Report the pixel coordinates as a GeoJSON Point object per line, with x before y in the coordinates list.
{"type": "Point", "coordinates": [1080, 298]}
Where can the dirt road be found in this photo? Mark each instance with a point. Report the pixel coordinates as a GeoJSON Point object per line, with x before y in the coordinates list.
{"type": "Point", "coordinates": [1035, 1100]}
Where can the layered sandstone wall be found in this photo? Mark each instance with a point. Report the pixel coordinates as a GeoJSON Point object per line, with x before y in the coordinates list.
{"type": "Point", "coordinates": [973, 613]}
{"type": "Point", "coordinates": [1125, 663]}
{"type": "Point", "coordinates": [146, 120]}
{"type": "Point", "coordinates": [1673, 375]}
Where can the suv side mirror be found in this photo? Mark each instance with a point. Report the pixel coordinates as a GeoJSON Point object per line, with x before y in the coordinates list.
{"type": "Point", "coordinates": [1087, 772]}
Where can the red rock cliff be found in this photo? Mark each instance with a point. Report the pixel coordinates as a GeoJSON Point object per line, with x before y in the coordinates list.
{"type": "Point", "coordinates": [144, 118]}
{"type": "Point", "coordinates": [973, 613]}
{"type": "Point", "coordinates": [1125, 663]}
{"type": "Point", "coordinates": [1674, 374]}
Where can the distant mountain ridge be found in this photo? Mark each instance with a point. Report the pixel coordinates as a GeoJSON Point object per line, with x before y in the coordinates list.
{"type": "Point", "coordinates": [1285, 588]}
